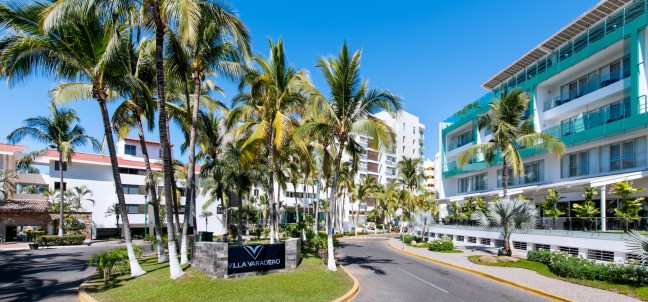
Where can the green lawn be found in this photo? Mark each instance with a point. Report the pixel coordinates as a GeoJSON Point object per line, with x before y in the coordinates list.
{"type": "Point", "coordinates": [450, 252]}
{"type": "Point", "coordinates": [640, 292]}
{"type": "Point", "coordinates": [311, 281]}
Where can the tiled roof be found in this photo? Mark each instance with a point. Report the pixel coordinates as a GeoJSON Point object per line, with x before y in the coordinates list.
{"type": "Point", "coordinates": [23, 205]}
{"type": "Point", "coordinates": [11, 148]}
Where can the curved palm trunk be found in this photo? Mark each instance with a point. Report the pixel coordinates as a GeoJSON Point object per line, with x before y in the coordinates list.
{"type": "Point", "coordinates": [271, 200]}
{"type": "Point", "coordinates": [162, 257]}
{"type": "Point", "coordinates": [342, 210]}
{"type": "Point", "coordinates": [61, 200]}
{"type": "Point", "coordinates": [174, 265]}
{"type": "Point", "coordinates": [191, 184]}
{"type": "Point", "coordinates": [136, 269]}
{"type": "Point", "coordinates": [505, 178]}
{"type": "Point", "coordinates": [331, 257]}
{"type": "Point", "coordinates": [278, 213]}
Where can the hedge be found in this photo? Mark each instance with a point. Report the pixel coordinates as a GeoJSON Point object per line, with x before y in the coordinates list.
{"type": "Point", "coordinates": [441, 245]}
{"type": "Point", "coordinates": [48, 240]}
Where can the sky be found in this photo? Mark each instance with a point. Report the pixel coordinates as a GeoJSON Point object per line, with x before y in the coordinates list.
{"type": "Point", "coordinates": [434, 54]}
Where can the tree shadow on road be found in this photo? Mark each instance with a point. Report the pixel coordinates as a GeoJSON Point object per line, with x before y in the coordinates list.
{"type": "Point", "coordinates": [363, 262]}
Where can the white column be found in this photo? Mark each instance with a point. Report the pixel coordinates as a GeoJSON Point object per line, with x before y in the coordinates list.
{"type": "Point", "coordinates": [603, 210]}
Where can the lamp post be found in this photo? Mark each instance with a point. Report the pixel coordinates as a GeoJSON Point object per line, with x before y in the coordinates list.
{"type": "Point", "coordinates": [145, 215]}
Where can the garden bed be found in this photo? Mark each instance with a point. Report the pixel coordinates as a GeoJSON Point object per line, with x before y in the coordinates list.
{"type": "Point", "coordinates": [311, 281]}
{"type": "Point", "coordinates": [636, 291]}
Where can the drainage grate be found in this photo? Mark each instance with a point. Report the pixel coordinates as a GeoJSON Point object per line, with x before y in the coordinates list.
{"type": "Point", "coordinates": [520, 245]}
{"type": "Point", "coordinates": [459, 238]}
{"type": "Point", "coordinates": [472, 239]}
{"type": "Point", "coordinates": [485, 241]}
{"type": "Point", "coordinates": [540, 246]}
{"type": "Point", "coordinates": [600, 255]}
{"type": "Point", "coordinates": [570, 250]}
{"type": "Point", "coordinates": [499, 243]}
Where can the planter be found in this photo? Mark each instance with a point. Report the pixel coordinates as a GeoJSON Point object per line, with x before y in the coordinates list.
{"type": "Point", "coordinates": [34, 246]}
{"type": "Point", "coordinates": [206, 236]}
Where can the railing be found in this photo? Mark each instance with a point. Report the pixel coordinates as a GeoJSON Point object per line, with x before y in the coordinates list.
{"type": "Point", "coordinates": [604, 81]}
{"type": "Point", "coordinates": [613, 224]}
{"type": "Point", "coordinates": [458, 144]}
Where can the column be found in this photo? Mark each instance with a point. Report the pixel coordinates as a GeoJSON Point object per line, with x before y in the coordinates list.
{"type": "Point", "coordinates": [603, 210]}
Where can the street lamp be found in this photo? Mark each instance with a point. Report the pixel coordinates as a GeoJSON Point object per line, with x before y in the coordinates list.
{"type": "Point", "coordinates": [145, 215]}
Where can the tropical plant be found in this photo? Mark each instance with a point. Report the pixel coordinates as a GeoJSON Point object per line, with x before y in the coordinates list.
{"type": "Point", "coordinates": [266, 111]}
{"type": "Point", "coordinates": [408, 173]}
{"type": "Point", "coordinates": [8, 181]}
{"type": "Point", "coordinates": [363, 192]}
{"type": "Point", "coordinates": [112, 262]}
{"type": "Point", "coordinates": [550, 206]}
{"type": "Point", "coordinates": [77, 195]}
{"type": "Point", "coordinates": [423, 220]}
{"type": "Point", "coordinates": [630, 207]}
{"type": "Point", "coordinates": [508, 216]}
{"type": "Point", "coordinates": [511, 131]}
{"type": "Point", "coordinates": [59, 132]}
{"type": "Point", "coordinates": [638, 245]}
{"type": "Point", "coordinates": [115, 209]}
{"type": "Point", "coordinates": [206, 214]}
{"type": "Point", "coordinates": [346, 114]}
{"type": "Point", "coordinates": [587, 209]}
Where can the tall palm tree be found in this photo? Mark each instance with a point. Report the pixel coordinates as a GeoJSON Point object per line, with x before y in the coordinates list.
{"type": "Point", "coordinates": [95, 60]}
{"type": "Point", "coordinates": [60, 131]}
{"type": "Point", "coordinates": [347, 112]}
{"type": "Point", "coordinates": [266, 109]}
{"type": "Point", "coordinates": [511, 131]}
{"type": "Point", "coordinates": [115, 209]}
{"type": "Point", "coordinates": [78, 195]}
{"type": "Point", "coordinates": [363, 192]}
{"type": "Point", "coordinates": [508, 216]}
{"type": "Point", "coordinates": [408, 173]}
{"type": "Point", "coordinates": [8, 181]}
{"type": "Point", "coordinates": [206, 214]}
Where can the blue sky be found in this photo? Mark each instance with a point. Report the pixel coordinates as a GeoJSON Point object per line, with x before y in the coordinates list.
{"type": "Point", "coordinates": [434, 54]}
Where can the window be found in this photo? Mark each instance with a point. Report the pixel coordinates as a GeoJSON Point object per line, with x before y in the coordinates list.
{"type": "Point", "coordinates": [57, 186]}
{"type": "Point", "coordinates": [520, 245]}
{"type": "Point", "coordinates": [133, 209]}
{"type": "Point", "coordinates": [537, 247]}
{"type": "Point", "coordinates": [533, 172]}
{"type": "Point", "coordinates": [600, 255]}
{"type": "Point", "coordinates": [129, 171]}
{"type": "Point", "coordinates": [131, 189]}
{"type": "Point", "coordinates": [473, 183]}
{"type": "Point", "coordinates": [57, 166]}
{"type": "Point", "coordinates": [403, 139]}
{"type": "Point", "coordinates": [413, 130]}
{"type": "Point", "coordinates": [403, 149]}
{"type": "Point", "coordinates": [130, 150]}
{"type": "Point", "coordinates": [576, 164]}
{"type": "Point", "coordinates": [160, 153]}
{"type": "Point", "coordinates": [615, 157]}
{"type": "Point", "coordinates": [569, 250]}
{"type": "Point", "coordinates": [256, 192]}
{"type": "Point", "coordinates": [628, 159]}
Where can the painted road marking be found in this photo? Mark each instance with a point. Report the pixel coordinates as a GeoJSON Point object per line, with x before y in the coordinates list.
{"type": "Point", "coordinates": [441, 289]}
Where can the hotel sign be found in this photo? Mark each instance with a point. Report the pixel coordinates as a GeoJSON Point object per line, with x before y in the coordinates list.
{"type": "Point", "coordinates": [254, 258]}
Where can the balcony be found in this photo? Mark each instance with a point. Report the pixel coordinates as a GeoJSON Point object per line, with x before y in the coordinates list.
{"type": "Point", "coordinates": [605, 81]}
{"type": "Point", "coordinates": [33, 179]}
{"type": "Point", "coordinates": [372, 155]}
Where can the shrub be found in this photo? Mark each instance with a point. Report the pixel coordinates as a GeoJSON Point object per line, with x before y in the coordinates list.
{"type": "Point", "coordinates": [152, 240]}
{"type": "Point", "coordinates": [113, 262]}
{"type": "Point", "coordinates": [407, 238]}
{"type": "Point", "coordinates": [48, 240]}
{"type": "Point", "coordinates": [258, 232]}
{"type": "Point", "coordinates": [34, 234]}
{"type": "Point", "coordinates": [441, 245]}
{"type": "Point", "coordinates": [541, 256]}
{"type": "Point", "coordinates": [320, 245]}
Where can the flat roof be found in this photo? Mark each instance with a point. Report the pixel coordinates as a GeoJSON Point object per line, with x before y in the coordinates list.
{"type": "Point", "coordinates": [591, 17]}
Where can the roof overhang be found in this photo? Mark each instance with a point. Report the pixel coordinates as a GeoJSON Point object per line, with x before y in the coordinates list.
{"type": "Point", "coordinates": [591, 17]}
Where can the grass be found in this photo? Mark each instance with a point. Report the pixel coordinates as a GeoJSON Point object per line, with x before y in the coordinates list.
{"type": "Point", "coordinates": [635, 291]}
{"type": "Point", "coordinates": [311, 281]}
{"type": "Point", "coordinates": [455, 251]}
{"type": "Point", "coordinates": [425, 245]}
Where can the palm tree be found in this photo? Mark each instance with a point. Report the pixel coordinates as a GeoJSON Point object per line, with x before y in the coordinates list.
{"type": "Point", "coordinates": [638, 245]}
{"type": "Point", "coordinates": [408, 173]}
{"type": "Point", "coordinates": [115, 209]}
{"type": "Point", "coordinates": [60, 133]}
{"type": "Point", "coordinates": [587, 209]}
{"type": "Point", "coordinates": [347, 112]}
{"type": "Point", "coordinates": [511, 131]}
{"type": "Point", "coordinates": [79, 194]}
{"type": "Point", "coordinates": [364, 191]}
{"type": "Point", "coordinates": [266, 111]}
{"type": "Point", "coordinates": [423, 220]}
{"type": "Point", "coordinates": [508, 216]}
{"type": "Point", "coordinates": [96, 59]}
{"type": "Point", "coordinates": [206, 214]}
{"type": "Point", "coordinates": [8, 181]}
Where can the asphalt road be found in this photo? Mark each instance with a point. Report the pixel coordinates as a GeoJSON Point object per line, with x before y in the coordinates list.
{"type": "Point", "coordinates": [46, 275]}
{"type": "Point", "coordinates": [387, 275]}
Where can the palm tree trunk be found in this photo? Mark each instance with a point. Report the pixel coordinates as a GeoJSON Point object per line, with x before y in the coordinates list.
{"type": "Point", "coordinates": [331, 257]}
{"type": "Point", "coordinates": [174, 265]}
{"type": "Point", "coordinates": [278, 212]}
{"type": "Point", "coordinates": [342, 210]}
{"type": "Point", "coordinates": [136, 269]}
{"type": "Point", "coordinates": [162, 257]}
{"type": "Point", "coordinates": [239, 240]}
{"type": "Point", "coordinates": [271, 201]}
{"type": "Point", "coordinates": [296, 205]}
{"type": "Point", "coordinates": [61, 201]}
{"type": "Point", "coordinates": [191, 184]}
{"type": "Point", "coordinates": [505, 178]}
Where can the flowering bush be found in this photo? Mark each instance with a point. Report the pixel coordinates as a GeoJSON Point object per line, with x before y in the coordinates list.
{"type": "Point", "coordinates": [541, 256]}
{"type": "Point", "coordinates": [441, 245]}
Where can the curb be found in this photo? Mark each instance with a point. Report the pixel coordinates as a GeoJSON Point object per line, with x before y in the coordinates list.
{"type": "Point", "coordinates": [351, 293]}
{"type": "Point", "coordinates": [83, 295]}
{"type": "Point", "coordinates": [488, 276]}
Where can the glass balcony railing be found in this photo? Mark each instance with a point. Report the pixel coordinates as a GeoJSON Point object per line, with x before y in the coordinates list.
{"type": "Point", "coordinates": [592, 86]}
{"type": "Point", "coordinates": [458, 144]}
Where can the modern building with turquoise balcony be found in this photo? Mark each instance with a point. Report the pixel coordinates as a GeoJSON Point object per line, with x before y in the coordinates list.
{"type": "Point", "coordinates": [588, 85]}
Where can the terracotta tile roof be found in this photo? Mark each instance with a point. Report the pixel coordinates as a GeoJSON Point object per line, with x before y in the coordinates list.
{"type": "Point", "coordinates": [11, 148]}
{"type": "Point", "coordinates": [23, 205]}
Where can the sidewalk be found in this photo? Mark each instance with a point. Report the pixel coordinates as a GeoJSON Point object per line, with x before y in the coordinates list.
{"type": "Point", "coordinates": [18, 246]}
{"type": "Point", "coordinates": [522, 276]}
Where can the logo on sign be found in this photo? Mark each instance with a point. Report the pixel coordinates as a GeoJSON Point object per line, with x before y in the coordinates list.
{"type": "Point", "coordinates": [253, 251]}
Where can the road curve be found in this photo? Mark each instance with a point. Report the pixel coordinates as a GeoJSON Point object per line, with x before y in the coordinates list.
{"type": "Point", "coordinates": [387, 275]}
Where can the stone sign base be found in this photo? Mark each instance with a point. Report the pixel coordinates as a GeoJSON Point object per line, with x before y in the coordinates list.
{"type": "Point", "coordinates": [211, 258]}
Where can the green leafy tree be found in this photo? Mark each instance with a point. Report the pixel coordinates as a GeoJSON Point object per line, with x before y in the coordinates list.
{"type": "Point", "coordinates": [60, 131]}
{"type": "Point", "coordinates": [510, 132]}
{"type": "Point", "coordinates": [587, 209]}
{"type": "Point", "coordinates": [508, 216]}
{"type": "Point", "coordinates": [550, 206]}
{"type": "Point", "coordinates": [630, 207]}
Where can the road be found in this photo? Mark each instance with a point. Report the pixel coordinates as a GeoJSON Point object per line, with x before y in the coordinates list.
{"type": "Point", "coordinates": [46, 275]}
{"type": "Point", "coordinates": [388, 275]}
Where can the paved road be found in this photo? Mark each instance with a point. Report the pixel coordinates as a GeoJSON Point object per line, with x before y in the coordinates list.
{"type": "Point", "coordinates": [46, 275]}
{"type": "Point", "coordinates": [387, 275]}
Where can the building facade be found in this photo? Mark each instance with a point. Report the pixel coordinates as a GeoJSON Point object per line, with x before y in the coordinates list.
{"type": "Point", "coordinates": [587, 85]}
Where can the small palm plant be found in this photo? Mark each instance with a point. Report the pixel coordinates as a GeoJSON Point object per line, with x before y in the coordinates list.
{"type": "Point", "coordinates": [422, 220]}
{"type": "Point", "coordinates": [550, 206]}
{"type": "Point", "coordinates": [587, 209]}
{"type": "Point", "coordinates": [638, 245]}
{"type": "Point", "coordinates": [509, 215]}
{"type": "Point", "coordinates": [8, 181]}
{"type": "Point", "coordinates": [630, 207]}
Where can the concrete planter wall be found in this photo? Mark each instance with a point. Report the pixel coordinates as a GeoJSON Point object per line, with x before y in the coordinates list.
{"type": "Point", "coordinates": [211, 258]}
